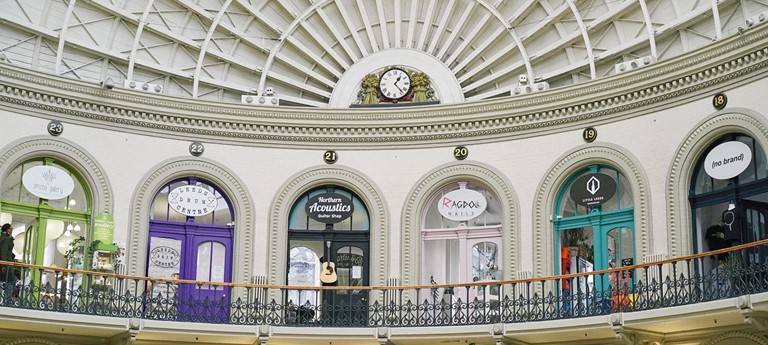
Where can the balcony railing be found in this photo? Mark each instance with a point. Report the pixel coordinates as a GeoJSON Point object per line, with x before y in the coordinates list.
{"type": "Point", "coordinates": [698, 278]}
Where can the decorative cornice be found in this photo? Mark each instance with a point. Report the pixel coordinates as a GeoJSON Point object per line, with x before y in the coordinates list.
{"type": "Point", "coordinates": [595, 153]}
{"type": "Point", "coordinates": [414, 207]}
{"type": "Point", "coordinates": [659, 85]}
{"type": "Point", "coordinates": [31, 341]}
{"type": "Point", "coordinates": [736, 337]}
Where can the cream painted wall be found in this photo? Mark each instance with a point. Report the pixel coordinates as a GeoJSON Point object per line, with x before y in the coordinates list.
{"type": "Point", "coordinates": [652, 137]}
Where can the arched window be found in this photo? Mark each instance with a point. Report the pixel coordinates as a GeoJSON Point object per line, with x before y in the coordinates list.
{"type": "Point", "coordinates": [328, 243]}
{"type": "Point", "coordinates": [594, 224]}
{"type": "Point", "coordinates": [729, 194]}
{"type": "Point", "coordinates": [461, 235]}
{"type": "Point", "coordinates": [49, 205]}
{"type": "Point", "coordinates": [191, 229]}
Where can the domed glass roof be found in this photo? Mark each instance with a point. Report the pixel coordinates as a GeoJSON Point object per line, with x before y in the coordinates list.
{"type": "Point", "coordinates": [314, 53]}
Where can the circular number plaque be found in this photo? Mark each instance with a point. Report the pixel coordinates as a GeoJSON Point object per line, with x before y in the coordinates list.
{"type": "Point", "coordinates": [460, 153]}
{"type": "Point", "coordinates": [196, 148]}
{"type": "Point", "coordinates": [719, 101]}
{"type": "Point", "coordinates": [330, 157]}
{"type": "Point", "coordinates": [589, 135]}
{"type": "Point", "coordinates": [55, 128]}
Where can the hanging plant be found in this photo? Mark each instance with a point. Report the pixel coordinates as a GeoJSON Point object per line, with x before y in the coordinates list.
{"type": "Point", "coordinates": [75, 247]}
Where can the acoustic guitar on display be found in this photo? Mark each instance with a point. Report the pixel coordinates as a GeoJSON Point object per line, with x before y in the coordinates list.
{"type": "Point", "coordinates": [328, 273]}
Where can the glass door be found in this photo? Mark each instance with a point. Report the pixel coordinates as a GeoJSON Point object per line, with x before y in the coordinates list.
{"type": "Point", "coordinates": [754, 223]}
{"type": "Point", "coordinates": [617, 250]}
{"type": "Point", "coordinates": [211, 266]}
{"type": "Point", "coordinates": [602, 246]}
{"type": "Point", "coordinates": [351, 267]}
{"type": "Point", "coordinates": [193, 253]}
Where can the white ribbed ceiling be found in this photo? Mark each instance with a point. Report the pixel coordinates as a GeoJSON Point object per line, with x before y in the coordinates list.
{"type": "Point", "coordinates": [221, 49]}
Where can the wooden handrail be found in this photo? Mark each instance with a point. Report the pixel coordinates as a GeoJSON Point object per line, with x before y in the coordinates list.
{"type": "Point", "coordinates": [413, 287]}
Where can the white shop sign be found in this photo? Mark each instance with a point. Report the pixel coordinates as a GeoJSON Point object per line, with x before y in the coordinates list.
{"type": "Point", "coordinates": [48, 182]}
{"type": "Point", "coordinates": [462, 204]}
{"type": "Point", "coordinates": [727, 160]}
{"type": "Point", "coordinates": [192, 200]}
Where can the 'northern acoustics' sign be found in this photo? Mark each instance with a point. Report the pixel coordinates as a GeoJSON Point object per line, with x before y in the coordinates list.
{"type": "Point", "coordinates": [593, 189]}
{"type": "Point", "coordinates": [329, 208]}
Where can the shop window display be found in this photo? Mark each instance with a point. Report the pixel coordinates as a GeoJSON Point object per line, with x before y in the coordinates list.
{"type": "Point", "coordinates": [594, 226]}
{"type": "Point", "coordinates": [729, 199]}
{"type": "Point", "coordinates": [462, 239]}
{"type": "Point", "coordinates": [49, 206]}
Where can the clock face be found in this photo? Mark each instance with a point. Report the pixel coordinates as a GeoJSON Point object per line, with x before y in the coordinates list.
{"type": "Point", "coordinates": [395, 83]}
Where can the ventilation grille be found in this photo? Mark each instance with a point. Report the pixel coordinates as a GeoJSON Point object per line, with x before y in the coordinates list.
{"type": "Point", "coordinates": [523, 274]}
{"type": "Point", "coordinates": [654, 272]}
{"type": "Point", "coordinates": [654, 258]}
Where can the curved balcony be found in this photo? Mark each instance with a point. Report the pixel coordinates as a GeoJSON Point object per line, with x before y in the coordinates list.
{"type": "Point", "coordinates": [739, 273]}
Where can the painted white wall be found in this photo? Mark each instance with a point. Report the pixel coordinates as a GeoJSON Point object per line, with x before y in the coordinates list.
{"type": "Point", "coordinates": [652, 138]}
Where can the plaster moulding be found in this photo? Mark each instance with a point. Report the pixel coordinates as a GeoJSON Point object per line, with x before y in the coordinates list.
{"type": "Point", "coordinates": [665, 84]}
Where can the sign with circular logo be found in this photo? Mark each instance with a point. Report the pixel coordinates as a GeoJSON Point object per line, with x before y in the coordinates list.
{"type": "Point", "coordinates": [462, 204]}
{"type": "Point", "coordinates": [192, 200]}
{"type": "Point", "coordinates": [165, 257]}
{"type": "Point", "coordinates": [727, 160]}
{"type": "Point", "coordinates": [329, 208]}
{"type": "Point", "coordinates": [48, 182]}
{"type": "Point", "coordinates": [593, 189]}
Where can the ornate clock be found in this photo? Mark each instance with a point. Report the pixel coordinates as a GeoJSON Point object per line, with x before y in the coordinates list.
{"type": "Point", "coordinates": [394, 84]}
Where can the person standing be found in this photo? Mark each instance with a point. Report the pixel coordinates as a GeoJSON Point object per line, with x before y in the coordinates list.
{"type": "Point", "coordinates": [7, 275]}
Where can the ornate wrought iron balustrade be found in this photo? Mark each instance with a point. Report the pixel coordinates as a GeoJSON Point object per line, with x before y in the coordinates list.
{"type": "Point", "coordinates": [705, 277]}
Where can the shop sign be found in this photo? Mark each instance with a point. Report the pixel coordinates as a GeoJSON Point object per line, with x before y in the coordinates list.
{"type": "Point", "coordinates": [462, 204]}
{"type": "Point", "coordinates": [329, 208]}
{"type": "Point", "coordinates": [593, 189]}
{"type": "Point", "coordinates": [192, 200]}
{"type": "Point", "coordinates": [165, 256]}
{"type": "Point", "coordinates": [347, 260]}
{"type": "Point", "coordinates": [727, 160]}
{"type": "Point", "coordinates": [48, 182]}
{"type": "Point", "coordinates": [103, 228]}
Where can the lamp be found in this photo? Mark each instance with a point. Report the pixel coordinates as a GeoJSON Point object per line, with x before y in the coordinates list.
{"type": "Point", "coordinates": [5, 218]}
{"type": "Point", "coordinates": [18, 243]}
{"type": "Point", "coordinates": [77, 227]}
{"type": "Point", "coordinates": [62, 243]}
{"type": "Point", "coordinates": [53, 229]}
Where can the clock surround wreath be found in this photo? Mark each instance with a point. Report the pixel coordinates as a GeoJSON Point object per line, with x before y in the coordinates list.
{"type": "Point", "coordinates": [393, 85]}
